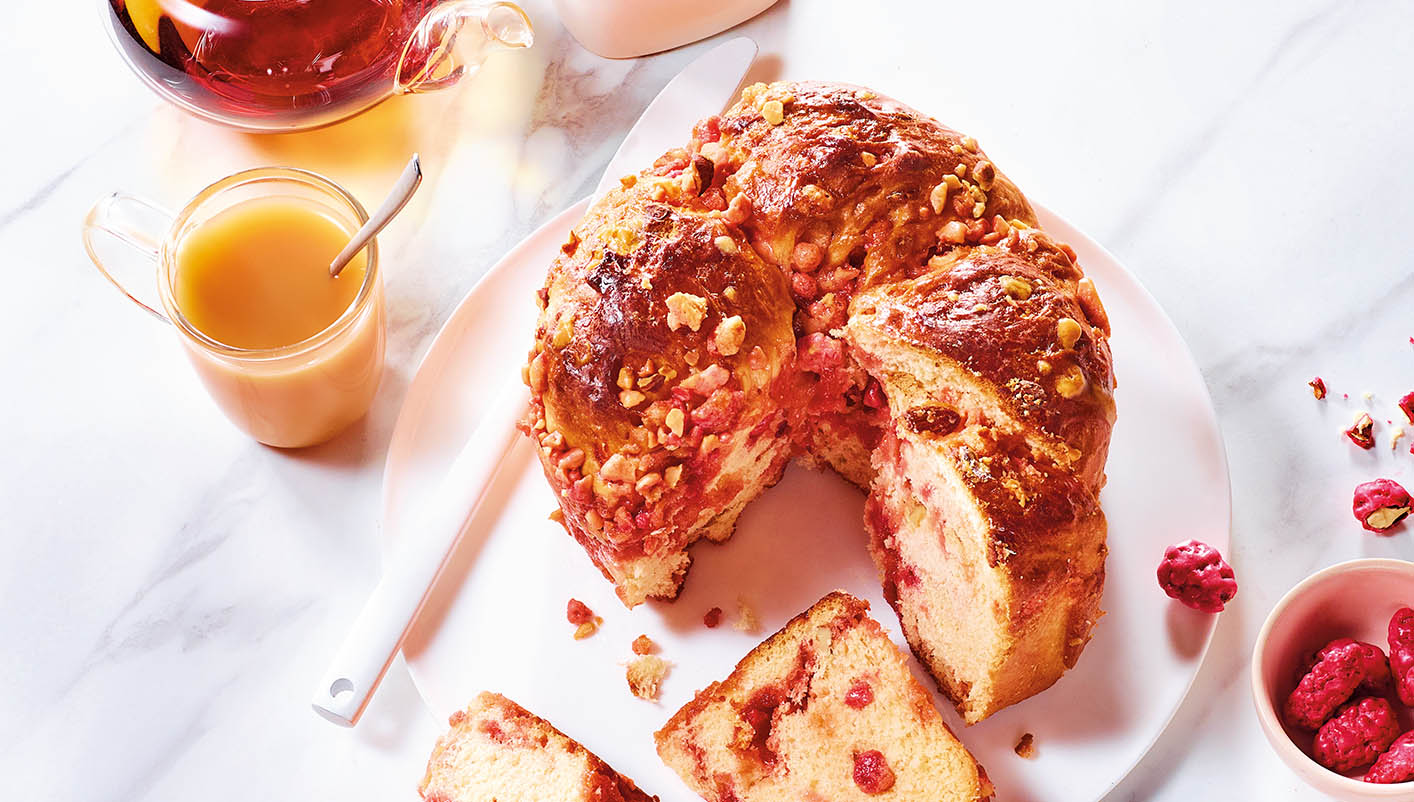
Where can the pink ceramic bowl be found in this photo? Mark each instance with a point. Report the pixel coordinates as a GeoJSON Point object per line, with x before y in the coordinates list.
{"type": "Point", "coordinates": [1353, 600]}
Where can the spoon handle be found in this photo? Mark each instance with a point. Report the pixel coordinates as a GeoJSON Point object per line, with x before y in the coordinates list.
{"type": "Point", "coordinates": [397, 198]}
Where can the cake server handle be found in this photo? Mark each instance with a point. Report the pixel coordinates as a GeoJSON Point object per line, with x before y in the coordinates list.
{"type": "Point", "coordinates": [434, 532]}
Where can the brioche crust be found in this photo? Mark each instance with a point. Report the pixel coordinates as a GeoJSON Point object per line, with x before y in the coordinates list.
{"type": "Point", "coordinates": [826, 273]}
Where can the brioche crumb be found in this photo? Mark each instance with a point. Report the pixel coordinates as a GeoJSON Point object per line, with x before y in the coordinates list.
{"type": "Point", "coordinates": [557, 515]}
{"type": "Point", "coordinates": [746, 620]}
{"type": "Point", "coordinates": [645, 676]}
{"type": "Point", "coordinates": [588, 628]}
{"type": "Point", "coordinates": [644, 645]}
{"type": "Point", "coordinates": [1026, 747]}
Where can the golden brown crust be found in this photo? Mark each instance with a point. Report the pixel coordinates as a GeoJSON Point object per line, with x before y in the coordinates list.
{"type": "Point", "coordinates": [659, 340]}
{"type": "Point", "coordinates": [822, 143]}
{"type": "Point", "coordinates": [612, 284]}
{"type": "Point", "coordinates": [859, 176]}
{"type": "Point", "coordinates": [1009, 314]}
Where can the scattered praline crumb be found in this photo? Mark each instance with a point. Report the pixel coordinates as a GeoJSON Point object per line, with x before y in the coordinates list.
{"type": "Point", "coordinates": [1025, 747]}
{"type": "Point", "coordinates": [644, 645]}
{"type": "Point", "coordinates": [712, 618]}
{"type": "Point", "coordinates": [577, 612]}
{"type": "Point", "coordinates": [745, 616]}
{"type": "Point", "coordinates": [645, 675]}
{"type": "Point", "coordinates": [585, 621]}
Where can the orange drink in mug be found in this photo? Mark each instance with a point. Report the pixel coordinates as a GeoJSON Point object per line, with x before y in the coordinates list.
{"type": "Point", "coordinates": [291, 354]}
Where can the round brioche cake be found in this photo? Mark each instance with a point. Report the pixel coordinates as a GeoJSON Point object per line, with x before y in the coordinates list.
{"type": "Point", "coordinates": [827, 274]}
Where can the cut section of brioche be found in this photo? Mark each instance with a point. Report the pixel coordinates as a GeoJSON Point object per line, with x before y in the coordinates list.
{"type": "Point", "coordinates": [993, 622]}
{"type": "Point", "coordinates": [497, 751]}
{"type": "Point", "coordinates": [825, 709]}
{"type": "Point", "coordinates": [984, 519]}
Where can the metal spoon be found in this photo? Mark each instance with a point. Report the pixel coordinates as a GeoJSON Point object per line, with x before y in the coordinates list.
{"type": "Point", "coordinates": [397, 198]}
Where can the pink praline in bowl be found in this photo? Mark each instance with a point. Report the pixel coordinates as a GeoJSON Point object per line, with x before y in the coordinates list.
{"type": "Point", "coordinates": [1351, 600]}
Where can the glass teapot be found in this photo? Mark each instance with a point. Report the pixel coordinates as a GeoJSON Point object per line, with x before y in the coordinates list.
{"type": "Point", "coordinates": [288, 65]}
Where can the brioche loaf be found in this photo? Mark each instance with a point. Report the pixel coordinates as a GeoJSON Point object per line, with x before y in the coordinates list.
{"type": "Point", "coordinates": [828, 274]}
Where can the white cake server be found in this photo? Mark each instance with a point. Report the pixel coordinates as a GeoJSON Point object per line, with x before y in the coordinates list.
{"type": "Point", "coordinates": [343, 691]}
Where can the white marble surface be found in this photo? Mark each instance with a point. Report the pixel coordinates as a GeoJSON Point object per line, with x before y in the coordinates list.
{"type": "Point", "coordinates": [169, 589]}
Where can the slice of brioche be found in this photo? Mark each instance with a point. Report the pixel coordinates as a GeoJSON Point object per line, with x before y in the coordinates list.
{"type": "Point", "coordinates": [825, 709]}
{"type": "Point", "coordinates": [497, 751]}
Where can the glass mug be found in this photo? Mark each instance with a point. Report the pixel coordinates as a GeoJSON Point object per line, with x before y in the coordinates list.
{"type": "Point", "coordinates": [289, 396]}
{"type": "Point", "coordinates": [289, 65]}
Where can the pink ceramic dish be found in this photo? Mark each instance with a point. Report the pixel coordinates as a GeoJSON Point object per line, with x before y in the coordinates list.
{"type": "Point", "coordinates": [1353, 599]}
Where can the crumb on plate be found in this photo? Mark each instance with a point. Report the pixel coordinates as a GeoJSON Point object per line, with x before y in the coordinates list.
{"type": "Point", "coordinates": [645, 676]}
{"type": "Point", "coordinates": [746, 620]}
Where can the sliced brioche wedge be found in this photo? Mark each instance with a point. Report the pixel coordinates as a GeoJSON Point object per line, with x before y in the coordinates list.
{"type": "Point", "coordinates": [497, 751]}
{"type": "Point", "coordinates": [825, 709]}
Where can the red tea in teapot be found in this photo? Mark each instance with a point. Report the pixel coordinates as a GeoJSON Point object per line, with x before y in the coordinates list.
{"type": "Point", "coordinates": [268, 64]}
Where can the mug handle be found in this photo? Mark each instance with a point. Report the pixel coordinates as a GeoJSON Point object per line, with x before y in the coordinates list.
{"type": "Point", "coordinates": [131, 220]}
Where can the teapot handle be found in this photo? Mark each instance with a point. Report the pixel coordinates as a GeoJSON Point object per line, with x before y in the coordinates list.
{"type": "Point", "coordinates": [444, 47]}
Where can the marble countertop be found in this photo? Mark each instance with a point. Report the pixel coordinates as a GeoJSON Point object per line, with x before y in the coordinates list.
{"type": "Point", "coordinates": [169, 589]}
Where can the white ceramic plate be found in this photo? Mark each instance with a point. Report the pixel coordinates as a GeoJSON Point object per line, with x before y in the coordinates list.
{"type": "Point", "coordinates": [496, 619]}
